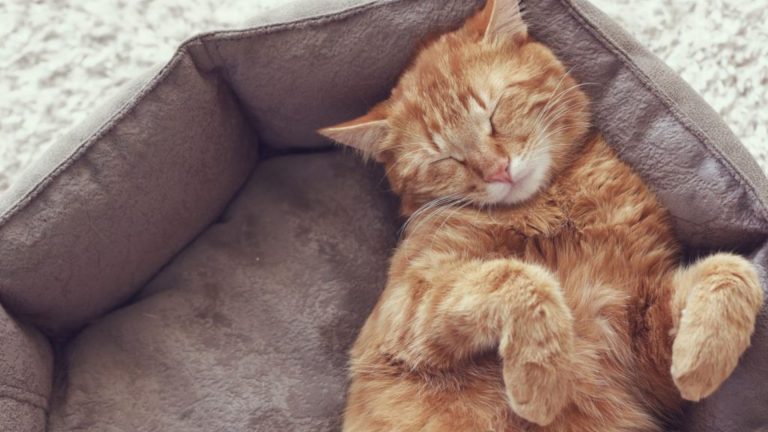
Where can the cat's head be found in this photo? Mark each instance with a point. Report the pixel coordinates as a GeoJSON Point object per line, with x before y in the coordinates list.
{"type": "Point", "coordinates": [484, 114]}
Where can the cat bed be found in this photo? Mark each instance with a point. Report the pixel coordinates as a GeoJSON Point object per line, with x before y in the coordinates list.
{"type": "Point", "coordinates": [195, 257]}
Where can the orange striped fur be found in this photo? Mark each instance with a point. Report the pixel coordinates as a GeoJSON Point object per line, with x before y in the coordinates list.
{"type": "Point", "coordinates": [538, 286]}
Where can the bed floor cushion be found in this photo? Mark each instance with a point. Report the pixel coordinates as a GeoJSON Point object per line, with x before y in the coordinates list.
{"type": "Point", "coordinates": [248, 328]}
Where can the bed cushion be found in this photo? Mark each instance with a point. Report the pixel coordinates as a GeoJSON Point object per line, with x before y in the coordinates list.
{"type": "Point", "coordinates": [248, 328]}
{"type": "Point", "coordinates": [26, 375]}
{"type": "Point", "coordinates": [110, 206]}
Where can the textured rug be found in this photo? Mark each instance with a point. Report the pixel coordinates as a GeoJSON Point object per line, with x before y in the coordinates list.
{"type": "Point", "coordinates": [59, 58]}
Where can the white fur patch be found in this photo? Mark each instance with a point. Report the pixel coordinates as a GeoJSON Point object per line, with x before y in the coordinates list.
{"type": "Point", "coordinates": [528, 175]}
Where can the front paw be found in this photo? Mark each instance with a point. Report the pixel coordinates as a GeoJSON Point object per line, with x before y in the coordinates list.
{"type": "Point", "coordinates": [701, 360]}
{"type": "Point", "coordinates": [537, 354]}
{"type": "Point", "coordinates": [716, 325]}
{"type": "Point", "coordinates": [539, 391]}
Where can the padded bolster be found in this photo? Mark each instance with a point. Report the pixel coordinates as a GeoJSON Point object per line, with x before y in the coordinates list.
{"type": "Point", "coordinates": [121, 199]}
{"type": "Point", "coordinates": [700, 171]}
{"type": "Point", "coordinates": [26, 365]}
{"type": "Point", "coordinates": [337, 59]}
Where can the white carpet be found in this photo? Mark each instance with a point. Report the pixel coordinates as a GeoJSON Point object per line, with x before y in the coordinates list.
{"type": "Point", "coordinates": [59, 58]}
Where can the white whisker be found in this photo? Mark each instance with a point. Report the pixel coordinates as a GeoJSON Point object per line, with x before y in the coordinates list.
{"type": "Point", "coordinates": [437, 202]}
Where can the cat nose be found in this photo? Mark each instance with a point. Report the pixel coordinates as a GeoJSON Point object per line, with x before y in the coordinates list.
{"type": "Point", "coordinates": [500, 173]}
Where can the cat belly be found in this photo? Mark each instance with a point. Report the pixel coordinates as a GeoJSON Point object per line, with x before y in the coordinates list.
{"type": "Point", "coordinates": [615, 280]}
{"type": "Point", "coordinates": [620, 370]}
{"type": "Point", "coordinates": [469, 398]}
{"type": "Point", "coordinates": [472, 398]}
{"type": "Point", "coordinates": [617, 287]}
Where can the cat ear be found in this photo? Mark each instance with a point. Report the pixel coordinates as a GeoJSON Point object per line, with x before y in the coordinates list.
{"type": "Point", "coordinates": [363, 133]}
{"type": "Point", "coordinates": [504, 20]}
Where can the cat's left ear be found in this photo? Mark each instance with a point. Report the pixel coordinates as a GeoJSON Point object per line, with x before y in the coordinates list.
{"type": "Point", "coordinates": [363, 133]}
{"type": "Point", "coordinates": [504, 20]}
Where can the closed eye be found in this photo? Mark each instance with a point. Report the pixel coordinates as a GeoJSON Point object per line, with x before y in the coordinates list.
{"type": "Point", "coordinates": [447, 158]}
{"type": "Point", "coordinates": [491, 122]}
{"type": "Point", "coordinates": [504, 94]}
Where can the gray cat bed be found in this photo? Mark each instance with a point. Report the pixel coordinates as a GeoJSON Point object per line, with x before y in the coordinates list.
{"type": "Point", "coordinates": [196, 258]}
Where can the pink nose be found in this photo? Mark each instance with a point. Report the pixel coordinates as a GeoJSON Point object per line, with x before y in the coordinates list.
{"type": "Point", "coordinates": [501, 174]}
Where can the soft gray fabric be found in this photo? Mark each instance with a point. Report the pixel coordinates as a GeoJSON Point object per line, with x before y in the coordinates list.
{"type": "Point", "coordinates": [356, 55]}
{"type": "Point", "coordinates": [26, 364]}
{"type": "Point", "coordinates": [112, 204]}
{"type": "Point", "coordinates": [21, 416]}
{"type": "Point", "coordinates": [126, 199]}
{"type": "Point", "coordinates": [248, 328]}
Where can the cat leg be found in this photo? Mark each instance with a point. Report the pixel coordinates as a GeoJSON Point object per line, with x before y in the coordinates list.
{"type": "Point", "coordinates": [714, 306]}
{"type": "Point", "coordinates": [476, 305]}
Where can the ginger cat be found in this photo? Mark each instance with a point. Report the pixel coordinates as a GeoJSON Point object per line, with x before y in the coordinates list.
{"type": "Point", "coordinates": [539, 284]}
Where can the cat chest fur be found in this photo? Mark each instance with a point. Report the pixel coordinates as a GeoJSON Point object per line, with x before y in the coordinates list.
{"type": "Point", "coordinates": [597, 222]}
{"type": "Point", "coordinates": [610, 243]}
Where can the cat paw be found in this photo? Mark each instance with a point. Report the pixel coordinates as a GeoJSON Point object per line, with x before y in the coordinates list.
{"type": "Point", "coordinates": [715, 326]}
{"type": "Point", "coordinates": [537, 357]}
{"type": "Point", "coordinates": [537, 392]}
{"type": "Point", "coordinates": [701, 361]}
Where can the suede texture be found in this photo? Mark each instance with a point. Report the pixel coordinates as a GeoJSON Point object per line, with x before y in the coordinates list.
{"type": "Point", "coordinates": [247, 329]}
{"type": "Point", "coordinates": [126, 199]}
{"type": "Point", "coordinates": [26, 374]}
{"type": "Point", "coordinates": [244, 324]}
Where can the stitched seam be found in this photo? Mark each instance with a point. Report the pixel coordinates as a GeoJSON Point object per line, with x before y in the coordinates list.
{"type": "Point", "coordinates": [26, 402]}
{"type": "Point", "coordinates": [680, 116]}
{"type": "Point", "coordinates": [31, 398]}
{"type": "Point", "coordinates": [153, 82]}
{"type": "Point", "coordinates": [290, 25]}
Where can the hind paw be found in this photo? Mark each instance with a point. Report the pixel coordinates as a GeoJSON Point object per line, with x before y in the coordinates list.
{"type": "Point", "coordinates": [715, 325]}
{"type": "Point", "coordinates": [537, 358]}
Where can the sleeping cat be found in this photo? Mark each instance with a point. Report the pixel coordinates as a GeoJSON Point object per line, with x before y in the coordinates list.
{"type": "Point", "coordinates": [538, 285]}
